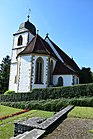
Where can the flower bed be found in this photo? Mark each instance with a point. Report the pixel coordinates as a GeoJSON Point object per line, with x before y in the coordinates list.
{"type": "Point", "coordinates": [14, 114]}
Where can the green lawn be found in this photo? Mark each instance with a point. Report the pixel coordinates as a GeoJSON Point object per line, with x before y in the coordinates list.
{"type": "Point", "coordinates": [6, 130]}
{"type": "Point", "coordinates": [7, 126]}
{"type": "Point", "coordinates": [82, 112]}
{"type": "Point", "coordinates": [4, 111]}
{"type": "Point", "coordinates": [91, 131]}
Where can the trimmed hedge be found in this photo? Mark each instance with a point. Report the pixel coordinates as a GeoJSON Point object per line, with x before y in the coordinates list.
{"type": "Point", "coordinates": [86, 102]}
{"type": "Point", "coordinates": [50, 105]}
{"type": "Point", "coordinates": [75, 91]}
{"type": "Point", "coordinates": [15, 97]}
{"type": "Point", "coordinates": [47, 105]}
{"type": "Point", "coordinates": [8, 92]}
{"type": "Point", "coordinates": [65, 92]}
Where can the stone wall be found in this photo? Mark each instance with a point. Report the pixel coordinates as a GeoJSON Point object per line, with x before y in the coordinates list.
{"type": "Point", "coordinates": [47, 125]}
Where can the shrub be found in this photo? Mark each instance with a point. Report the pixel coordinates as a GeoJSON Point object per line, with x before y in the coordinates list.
{"type": "Point", "coordinates": [48, 105]}
{"type": "Point", "coordinates": [87, 102]}
{"type": "Point", "coordinates": [75, 91]}
{"type": "Point", "coordinates": [61, 104]}
{"type": "Point", "coordinates": [8, 92]}
{"type": "Point", "coordinates": [51, 104]}
{"type": "Point", "coordinates": [66, 92]}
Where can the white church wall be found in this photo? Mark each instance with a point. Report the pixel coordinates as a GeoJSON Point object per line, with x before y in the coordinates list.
{"type": "Point", "coordinates": [44, 85]}
{"type": "Point", "coordinates": [25, 39]}
{"type": "Point", "coordinates": [67, 80]}
{"type": "Point", "coordinates": [76, 79]}
{"type": "Point", "coordinates": [13, 58]}
{"type": "Point", "coordinates": [15, 52]}
{"type": "Point", "coordinates": [24, 74]}
{"type": "Point", "coordinates": [13, 71]}
{"type": "Point", "coordinates": [17, 49]}
{"type": "Point", "coordinates": [30, 36]}
{"type": "Point", "coordinates": [54, 62]}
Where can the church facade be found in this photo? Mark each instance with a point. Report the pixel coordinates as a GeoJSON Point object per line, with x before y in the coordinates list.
{"type": "Point", "coordinates": [38, 62]}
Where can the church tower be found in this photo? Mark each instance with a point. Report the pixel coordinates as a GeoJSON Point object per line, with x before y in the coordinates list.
{"type": "Point", "coordinates": [21, 38]}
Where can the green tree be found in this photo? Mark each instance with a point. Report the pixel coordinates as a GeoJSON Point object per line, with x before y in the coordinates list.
{"type": "Point", "coordinates": [92, 76]}
{"type": "Point", "coordinates": [85, 75]}
{"type": "Point", "coordinates": [4, 74]}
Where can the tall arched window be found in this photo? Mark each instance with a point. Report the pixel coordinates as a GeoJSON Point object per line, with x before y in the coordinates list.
{"type": "Point", "coordinates": [51, 72]}
{"type": "Point", "coordinates": [39, 71]}
{"type": "Point", "coordinates": [20, 40]}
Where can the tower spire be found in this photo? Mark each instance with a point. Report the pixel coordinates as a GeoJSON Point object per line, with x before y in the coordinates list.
{"type": "Point", "coordinates": [29, 11]}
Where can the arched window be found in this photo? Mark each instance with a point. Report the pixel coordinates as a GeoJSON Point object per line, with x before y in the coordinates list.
{"type": "Point", "coordinates": [51, 72]}
{"type": "Point", "coordinates": [73, 80]}
{"type": "Point", "coordinates": [20, 40]}
{"type": "Point", "coordinates": [60, 81]}
{"type": "Point", "coordinates": [39, 71]}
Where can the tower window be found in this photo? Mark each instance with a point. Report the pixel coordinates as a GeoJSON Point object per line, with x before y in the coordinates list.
{"type": "Point", "coordinates": [20, 40]}
{"type": "Point", "coordinates": [39, 71]}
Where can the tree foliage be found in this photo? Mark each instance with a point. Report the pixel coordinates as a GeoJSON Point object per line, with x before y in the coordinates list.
{"type": "Point", "coordinates": [85, 76]}
{"type": "Point", "coordinates": [4, 74]}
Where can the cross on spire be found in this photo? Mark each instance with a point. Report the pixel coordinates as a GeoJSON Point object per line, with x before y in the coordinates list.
{"type": "Point", "coordinates": [29, 11]}
{"type": "Point", "coordinates": [47, 34]}
{"type": "Point", "coordinates": [37, 31]}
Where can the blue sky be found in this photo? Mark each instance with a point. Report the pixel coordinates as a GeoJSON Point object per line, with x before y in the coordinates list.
{"type": "Point", "coordinates": [68, 22]}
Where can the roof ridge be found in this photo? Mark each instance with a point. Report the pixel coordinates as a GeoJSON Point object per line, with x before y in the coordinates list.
{"type": "Point", "coordinates": [58, 47]}
{"type": "Point", "coordinates": [34, 42]}
{"type": "Point", "coordinates": [65, 57]}
{"type": "Point", "coordinates": [43, 43]}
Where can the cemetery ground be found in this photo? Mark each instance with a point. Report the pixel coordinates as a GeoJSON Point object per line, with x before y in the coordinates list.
{"type": "Point", "coordinates": [7, 125]}
{"type": "Point", "coordinates": [78, 123]}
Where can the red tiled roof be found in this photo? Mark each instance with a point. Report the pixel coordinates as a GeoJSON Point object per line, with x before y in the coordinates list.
{"type": "Point", "coordinates": [65, 57]}
{"type": "Point", "coordinates": [38, 45]}
{"type": "Point", "coordinates": [60, 69]}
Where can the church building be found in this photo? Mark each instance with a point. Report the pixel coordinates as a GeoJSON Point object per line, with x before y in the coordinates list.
{"type": "Point", "coordinates": [38, 62]}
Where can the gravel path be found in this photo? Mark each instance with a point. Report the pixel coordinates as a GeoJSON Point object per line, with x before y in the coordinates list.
{"type": "Point", "coordinates": [73, 128]}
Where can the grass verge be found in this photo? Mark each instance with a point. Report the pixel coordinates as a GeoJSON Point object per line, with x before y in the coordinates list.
{"type": "Point", "coordinates": [81, 112]}
{"type": "Point", "coordinates": [7, 125]}
{"type": "Point", "coordinates": [4, 111]}
{"type": "Point", "coordinates": [91, 131]}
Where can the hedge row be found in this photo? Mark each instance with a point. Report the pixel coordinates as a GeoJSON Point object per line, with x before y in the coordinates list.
{"type": "Point", "coordinates": [52, 93]}
{"type": "Point", "coordinates": [15, 97]}
{"type": "Point", "coordinates": [75, 91]}
{"type": "Point", "coordinates": [50, 105]}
